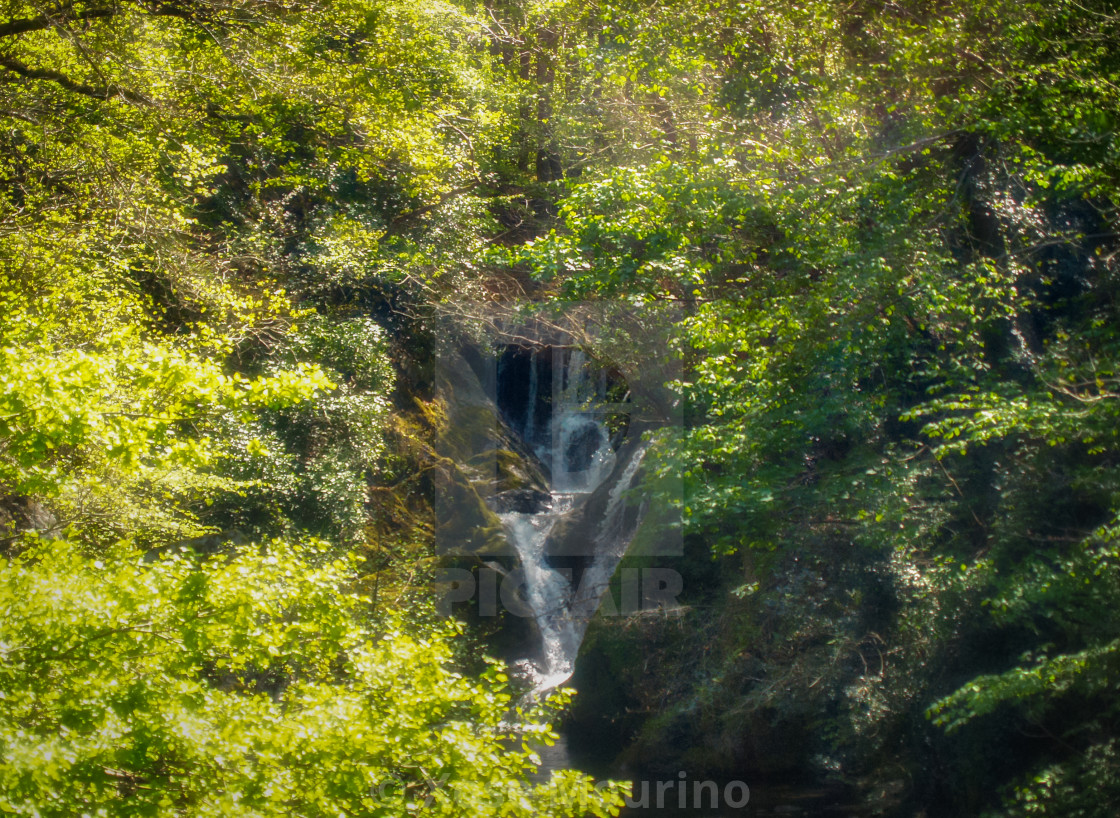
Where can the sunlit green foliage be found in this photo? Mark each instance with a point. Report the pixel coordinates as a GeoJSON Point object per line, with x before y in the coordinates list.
{"type": "Point", "coordinates": [250, 683]}
{"type": "Point", "coordinates": [204, 208]}
{"type": "Point", "coordinates": [889, 231]}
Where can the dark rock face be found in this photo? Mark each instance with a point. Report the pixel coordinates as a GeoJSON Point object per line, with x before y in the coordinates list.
{"type": "Point", "coordinates": [481, 457]}
{"type": "Point", "coordinates": [581, 449]}
{"type": "Point", "coordinates": [521, 501]}
{"type": "Point", "coordinates": [523, 388]}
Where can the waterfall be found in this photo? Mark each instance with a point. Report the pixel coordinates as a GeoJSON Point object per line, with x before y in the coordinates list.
{"type": "Point", "coordinates": [547, 591]}
{"type": "Point", "coordinates": [611, 541]}
{"type": "Point", "coordinates": [581, 451]}
{"type": "Point", "coordinates": [562, 612]}
{"type": "Point", "coordinates": [577, 447]}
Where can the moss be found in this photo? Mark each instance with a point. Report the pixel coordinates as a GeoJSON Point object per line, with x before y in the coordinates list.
{"type": "Point", "coordinates": [469, 429]}
{"type": "Point", "coordinates": [499, 470]}
{"type": "Point", "coordinates": [464, 523]}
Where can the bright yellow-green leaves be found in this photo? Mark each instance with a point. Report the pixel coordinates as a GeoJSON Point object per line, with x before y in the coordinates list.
{"type": "Point", "coordinates": [890, 229]}
{"type": "Point", "coordinates": [247, 684]}
{"type": "Point", "coordinates": [173, 179]}
{"type": "Point", "coordinates": [122, 407]}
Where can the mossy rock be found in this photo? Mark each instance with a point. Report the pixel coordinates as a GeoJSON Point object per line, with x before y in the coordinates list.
{"type": "Point", "coordinates": [464, 523]}
{"type": "Point", "coordinates": [471, 429]}
{"type": "Point", "coordinates": [499, 470]}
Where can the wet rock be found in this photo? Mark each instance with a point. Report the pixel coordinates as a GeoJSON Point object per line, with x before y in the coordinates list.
{"type": "Point", "coordinates": [464, 522]}
{"type": "Point", "coordinates": [582, 447]}
{"type": "Point", "coordinates": [521, 501]}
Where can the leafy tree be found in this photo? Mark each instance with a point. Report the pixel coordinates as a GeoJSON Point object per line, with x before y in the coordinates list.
{"type": "Point", "coordinates": [175, 177]}
{"type": "Point", "coordinates": [248, 684]}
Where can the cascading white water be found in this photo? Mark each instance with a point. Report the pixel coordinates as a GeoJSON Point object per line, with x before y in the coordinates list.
{"type": "Point", "coordinates": [611, 541]}
{"type": "Point", "coordinates": [577, 447]}
{"type": "Point", "coordinates": [546, 590]}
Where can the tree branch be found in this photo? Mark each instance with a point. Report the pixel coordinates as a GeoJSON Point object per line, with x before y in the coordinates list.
{"type": "Point", "coordinates": [110, 91]}
{"type": "Point", "coordinates": [183, 10]}
{"type": "Point", "coordinates": [14, 27]}
{"type": "Point", "coordinates": [420, 211]}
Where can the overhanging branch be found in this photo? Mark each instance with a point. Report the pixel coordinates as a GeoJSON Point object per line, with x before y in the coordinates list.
{"type": "Point", "coordinates": [14, 27]}
{"type": "Point", "coordinates": [111, 91]}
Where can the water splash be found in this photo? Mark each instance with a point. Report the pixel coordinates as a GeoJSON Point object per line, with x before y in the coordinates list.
{"type": "Point", "coordinates": [574, 443]}
{"type": "Point", "coordinates": [561, 613]}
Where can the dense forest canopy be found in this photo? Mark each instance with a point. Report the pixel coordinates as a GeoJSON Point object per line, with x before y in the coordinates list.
{"type": "Point", "coordinates": [230, 229]}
